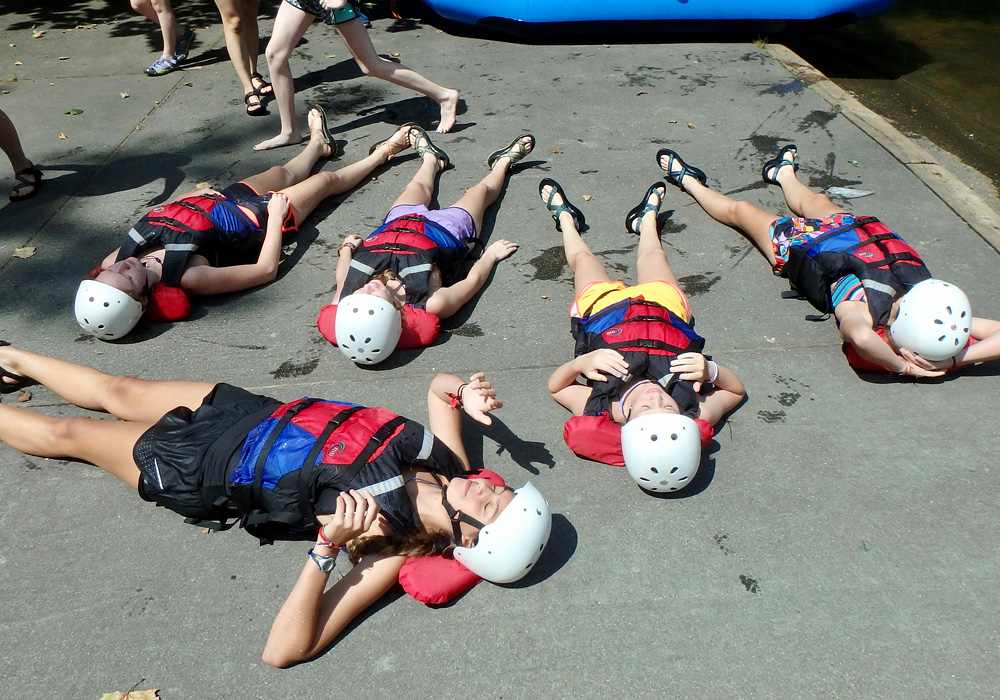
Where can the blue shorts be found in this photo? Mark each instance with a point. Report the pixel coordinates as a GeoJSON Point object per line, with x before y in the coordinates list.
{"type": "Point", "coordinates": [331, 17]}
{"type": "Point", "coordinates": [454, 220]}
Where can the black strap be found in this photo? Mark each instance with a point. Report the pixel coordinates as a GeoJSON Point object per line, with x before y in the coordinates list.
{"type": "Point", "coordinates": [305, 497]}
{"type": "Point", "coordinates": [258, 470]}
{"type": "Point", "coordinates": [381, 435]}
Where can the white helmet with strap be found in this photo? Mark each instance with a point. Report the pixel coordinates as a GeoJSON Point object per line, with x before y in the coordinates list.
{"type": "Point", "coordinates": [508, 547]}
{"type": "Point", "coordinates": [105, 311]}
{"type": "Point", "coordinates": [934, 320]}
{"type": "Point", "coordinates": [367, 328]}
{"type": "Point", "coordinates": [662, 451]}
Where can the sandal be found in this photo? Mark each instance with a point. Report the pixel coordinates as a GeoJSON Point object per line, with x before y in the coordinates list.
{"type": "Point", "coordinates": [265, 89]}
{"type": "Point", "coordinates": [18, 194]}
{"type": "Point", "coordinates": [327, 136]}
{"type": "Point", "coordinates": [633, 219]}
{"type": "Point", "coordinates": [376, 146]}
{"type": "Point", "coordinates": [786, 157]}
{"type": "Point", "coordinates": [578, 219]}
{"type": "Point", "coordinates": [516, 151]}
{"type": "Point", "coordinates": [674, 177]}
{"type": "Point", "coordinates": [255, 110]}
{"type": "Point", "coordinates": [17, 381]}
{"type": "Point", "coordinates": [422, 144]}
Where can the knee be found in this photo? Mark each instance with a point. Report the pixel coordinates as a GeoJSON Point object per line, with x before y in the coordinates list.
{"type": "Point", "coordinates": [121, 390]}
{"type": "Point", "coordinates": [66, 433]}
{"type": "Point", "coordinates": [139, 5]}
{"type": "Point", "coordinates": [740, 210]}
{"type": "Point", "coordinates": [377, 68]}
{"type": "Point", "coordinates": [275, 55]}
{"type": "Point", "coordinates": [232, 22]}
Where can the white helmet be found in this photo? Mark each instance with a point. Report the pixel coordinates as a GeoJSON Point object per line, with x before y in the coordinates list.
{"type": "Point", "coordinates": [933, 321]}
{"type": "Point", "coordinates": [367, 328]}
{"type": "Point", "coordinates": [105, 311]}
{"type": "Point", "coordinates": [508, 547]}
{"type": "Point", "coordinates": [662, 451]}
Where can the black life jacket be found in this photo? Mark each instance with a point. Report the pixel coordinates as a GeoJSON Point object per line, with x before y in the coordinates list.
{"type": "Point", "coordinates": [649, 337]}
{"type": "Point", "coordinates": [185, 227]}
{"type": "Point", "coordinates": [884, 262]}
{"type": "Point", "coordinates": [310, 445]}
{"type": "Point", "coordinates": [411, 246]}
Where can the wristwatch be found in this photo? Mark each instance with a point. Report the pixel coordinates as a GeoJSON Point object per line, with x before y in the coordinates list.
{"type": "Point", "coordinates": [324, 564]}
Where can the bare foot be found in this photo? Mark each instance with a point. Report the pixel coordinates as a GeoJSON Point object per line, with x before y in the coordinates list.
{"type": "Point", "coordinates": [278, 141]}
{"type": "Point", "coordinates": [449, 108]}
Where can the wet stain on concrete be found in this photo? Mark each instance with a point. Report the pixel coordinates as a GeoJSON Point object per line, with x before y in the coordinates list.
{"type": "Point", "coordinates": [787, 398]}
{"type": "Point", "coordinates": [771, 416]}
{"type": "Point", "coordinates": [293, 368]}
{"type": "Point", "coordinates": [721, 541]}
{"type": "Point", "coordinates": [696, 285]}
{"type": "Point", "coordinates": [782, 89]}
{"type": "Point", "coordinates": [550, 264]}
{"type": "Point", "coordinates": [816, 118]}
{"type": "Point", "coordinates": [588, 172]}
{"type": "Point", "coordinates": [767, 147]}
{"type": "Point", "coordinates": [750, 583]}
{"type": "Point", "coordinates": [667, 225]}
{"type": "Point", "coordinates": [84, 338]}
{"type": "Point", "coordinates": [468, 330]}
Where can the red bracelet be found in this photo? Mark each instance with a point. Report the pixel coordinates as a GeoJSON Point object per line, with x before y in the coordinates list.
{"type": "Point", "coordinates": [321, 539]}
{"type": "Point", "coordinates": [456, 398]}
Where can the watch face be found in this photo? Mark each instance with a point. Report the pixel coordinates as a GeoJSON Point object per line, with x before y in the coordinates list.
{"type": "Point", "coordinates": [324, 563]}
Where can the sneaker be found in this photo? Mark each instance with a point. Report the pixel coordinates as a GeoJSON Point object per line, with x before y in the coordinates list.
{"type": "Point", "coordinates": [183, 46]}
{"type": "Point", "coordinates": [162, 66]}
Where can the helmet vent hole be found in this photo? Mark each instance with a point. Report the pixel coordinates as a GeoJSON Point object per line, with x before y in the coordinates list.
{"type": "Point", "coordinates": [106, 305]}
{"type": "Point", "coordinates": [956, 341]}
{"type": "Point", "coordinates": [939, 322]}
{"type": "Point", "coordinates": [673, 436]}
{"type": "Point", "coordinates": [949, 309]}
{"type": "Point", "coordinates": [654, 470]}
{"type": "Point", "coordinates": [355, 310]}
{"type": "Point", "coordinates": [683, 478]}
{"type": "Point", "coordinates": [654, 437]}
{"type": "Point", "coordinates": [371, 312]}
{"type": "Point", "coordinates": [642, 478]}
{"type": "Point", "coordinates": [941, 337]}
{"type": "Point", "coordinates": [538, 512]}
{"type": "Point", "coordinates": [663, 483]}
{"type": "Point", "coordinates": [674, 470]}
{"type": "Point", "coordinates": [91, 298]}
{"type": "Point", "coordinates": [367, 340]}
{"type": "Point", "coordinates": [962, 315]}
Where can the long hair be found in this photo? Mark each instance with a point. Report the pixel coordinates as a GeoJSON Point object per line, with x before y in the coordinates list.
{"type": "Point", "coordinates": [417, 544]}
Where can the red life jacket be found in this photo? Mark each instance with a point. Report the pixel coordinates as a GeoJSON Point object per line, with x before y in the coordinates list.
{"type": "Point", "coordinates": [411, 246]}
{"type": "Point", "coordinates": [420, 327]}
{"type": "Point", "coordinates": [886, 265]}
{"type": "Point", "coordinates": [598, 438]}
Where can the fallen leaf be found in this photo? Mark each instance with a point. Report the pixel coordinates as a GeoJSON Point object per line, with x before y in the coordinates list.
{"type": "Point", "coordinates": [642, 92]}
{"type": "Point", "coordinates": [394, 54]}
{"type": "Point", "coordinates": [544, 297]}
{"type": "Point", "coordinates": [331, 55]}
{"type": "Point", "coordinates": [4, 92]}
{"type": "Point", "coordinates": [24, 251]}
{"type": "Point", "coordinates": [123, 94]}
{"type": "Point", "coordinates": [151, 694]}
{"type": "Point", "coordinates": [13, 45]}
{"type": "Point", "coordinates": [38, 35]}
{"type": "Point", "coordinates": [691, 126]}
{"type": "Point", "coordinates": [64, 58]}
{"type": "Point", "coordinates": [194, 67]}
{"type": "Point", "coordinates": [18, 63]}
{"type": "Point", "coordinates": [554, 149]}
{"type": "Point", "coordinates": [203, 185]}
{"type": "Point", "coordinates": [672, 121]}
{"type": "Point", "coordinates": [74, 112]}
{"type": "Point", "coordinates": [62, 136]}
{"type": "Point", "coordinates": [24, 396]}
{"type": "Point", "coordinates": [853, 162]}
{"type": "Point", "coordinates": [206, 531]}
{"type": "Point", "coordinates": [588, 197]}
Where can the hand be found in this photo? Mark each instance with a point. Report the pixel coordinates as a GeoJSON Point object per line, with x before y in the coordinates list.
{"type": "Point", "coordinates": [692, 367]}
{"type": "Point", "coordinates": [479, 398]}
{"type": "Point", "coordinates": [332, 4]}
{"type": "Point", "coordinates": [917, 366]}
{"type": "Point", "coordinates": [598, 364]}
{"type": "Point", "coordinates": [356, 513]}
{"type": "Point", "coordinates": [278, 207]}
{"type": "Point", "coordinates": [501, 249]}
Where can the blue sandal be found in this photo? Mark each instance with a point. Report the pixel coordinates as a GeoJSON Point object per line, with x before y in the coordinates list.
{"type": "Point", "coordinates": [676, 178]}
{"type": "Point", "coordinates": [778, 163]}
{"type": "Point", "coordinates": [578, 219]}
{"type": "Point", "coordinates": [633, 219]}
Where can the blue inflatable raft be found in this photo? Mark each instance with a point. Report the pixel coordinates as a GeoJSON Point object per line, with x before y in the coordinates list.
{"type": "Point", "coordinates": [509, 14]}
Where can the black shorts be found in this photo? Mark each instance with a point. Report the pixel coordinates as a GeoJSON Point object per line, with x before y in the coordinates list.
{"type": "Point", "coordinates": [184, 458]}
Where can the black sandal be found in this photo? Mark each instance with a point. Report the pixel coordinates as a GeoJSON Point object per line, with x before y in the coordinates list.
{"type": "Point", "coordinates": [23, 183]}
{"type": "Point", "coordinates": [265, 89]}
{"type": "Point", "coordinates": [578, 219]}
{"type": "Point", "coordinates": [17, 381]}
{"type": "Point", "coordinates": [778, 163]}
{"type": "Point", "coordinates": [515, 151]}
{"type": "Point", "coordinates": [257, 110]}
{"type": "Point", "coordinates": [633, 219]}
{"type": "Point", "coordinates": [676, 178]}
{"type": "Point", "coordinates": [377, 145]}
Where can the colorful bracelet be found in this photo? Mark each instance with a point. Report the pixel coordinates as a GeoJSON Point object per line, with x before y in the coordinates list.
{"type": "Point", "coordinates": [456, 398]}
{"type": "Point", "coordinates": [321, 539]}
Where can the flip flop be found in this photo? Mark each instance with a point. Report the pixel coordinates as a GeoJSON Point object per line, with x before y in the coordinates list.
{"type": "Point", "coordinates": [23, 183]}
{"type": "Point", "coordinates": [428, 146]}
{"type": "Point", "coordinates": [675, 179]}
{"type": "Point", "coordinates": [407, 126]}
{"type": "Point", "coordinates": [327, 136]}
{"type": "Point", "coordinates": [557, 209]}
{"type": "Point", "coordinates": [526, 142]}
{"type": "Point", "coordinates": [778, 163]}
{"type": "Point", "coordinates": [17, 380]}
{"type": "Point", "coordinates": [633, 219]}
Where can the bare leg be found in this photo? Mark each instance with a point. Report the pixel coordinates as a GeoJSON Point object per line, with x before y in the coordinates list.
{"type": "Point", "coordinates": [127, 398]}
{"type": "Point", "coordinates": [478, 198]}
{"type": "Point", "coordinates": [10, 143]}
{"type": "Point", "coordinates": [306, 195]}
{"type": "Point", "coordinates": [281, 177]}
{"type": "Point", "coordinates": [420, 190]}
{"type": "Point", "coordinates": [651, 260]}
{"type": "Point", "coordinates": [106, 444]}
{"type": "Point", "coordinates": [359, 43]}
{"type": "Point", "coordinates": [239, 23]}
{"type": "Point", "coordinates": [800, 199]}
{"type": "Point", "coordinates": [584, 264]}
{"type": "Point", "coordinates": [290, 25]}
{"type": "Point", "coordinates": [162, 13]}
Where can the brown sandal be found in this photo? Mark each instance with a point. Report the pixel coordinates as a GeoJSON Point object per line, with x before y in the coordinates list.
{"type": "Point", "coordinates": [18, 194]}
